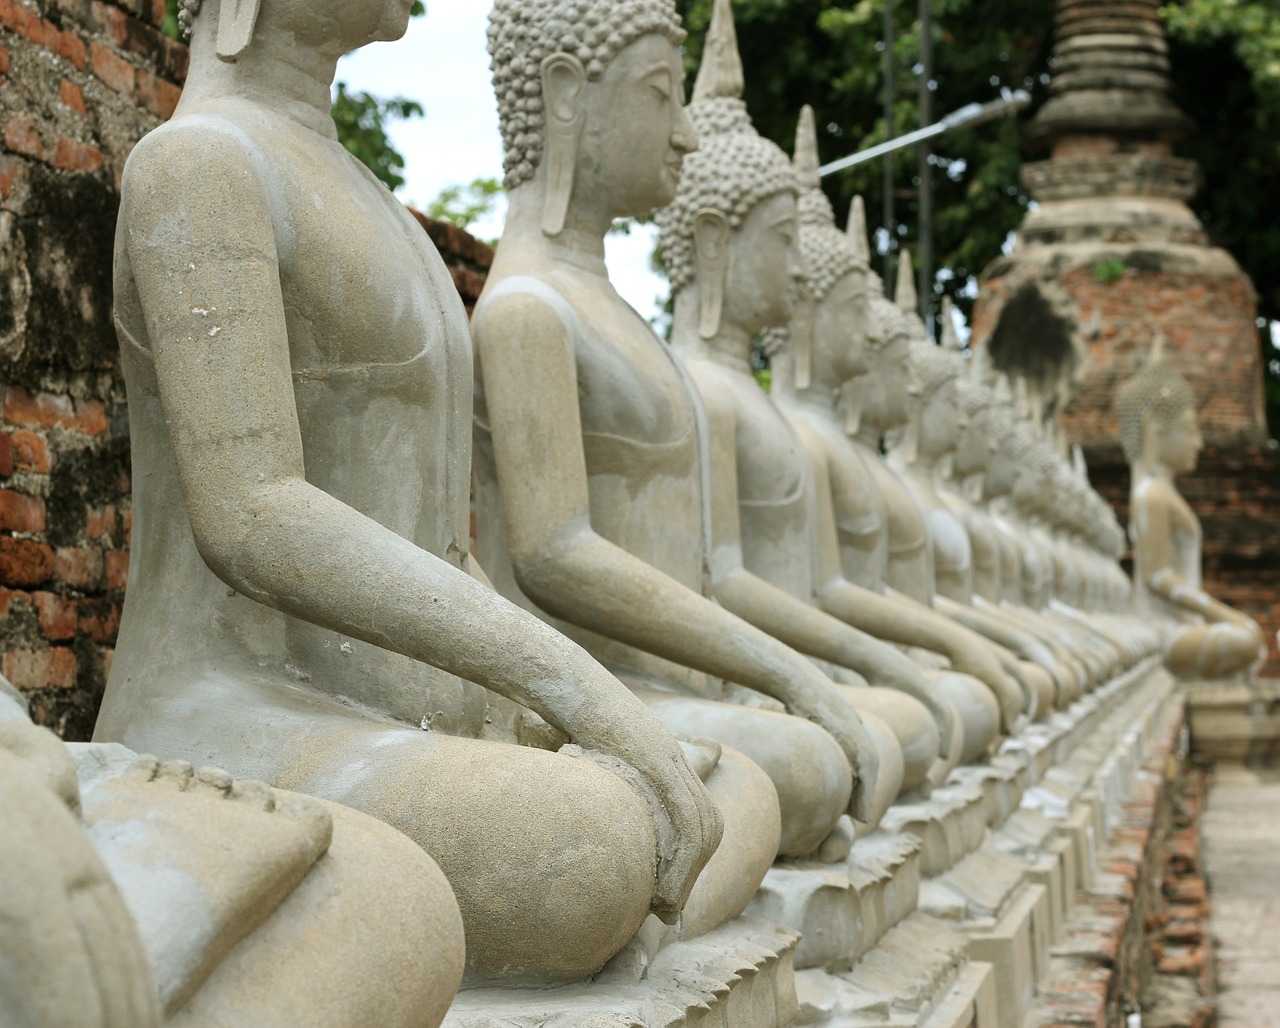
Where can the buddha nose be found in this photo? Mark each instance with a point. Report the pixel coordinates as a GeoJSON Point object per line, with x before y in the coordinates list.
{"type": "Point", "coordinates": [684, 137]}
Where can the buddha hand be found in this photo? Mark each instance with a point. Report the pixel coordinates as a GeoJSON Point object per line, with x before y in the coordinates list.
{"type": "Point", "coordinates": [687, 823]}
{"type": "Point", "coordinates": [825, 705]}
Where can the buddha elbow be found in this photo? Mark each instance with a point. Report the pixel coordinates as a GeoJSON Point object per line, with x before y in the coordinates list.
{"type": "Point", "coordinates": [226, 545]}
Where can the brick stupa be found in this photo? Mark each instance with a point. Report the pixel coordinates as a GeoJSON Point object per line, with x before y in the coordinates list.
{"type": "Point", "coordinates": [1112, 252]}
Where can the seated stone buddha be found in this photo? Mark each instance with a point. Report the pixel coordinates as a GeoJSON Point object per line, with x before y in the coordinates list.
{"type": "Point", "coordinates": [1205, 639]}
{"type": "Point", "coordinates": [302, 606]}
{"type": "Point", "coordinates": [591, 452]}
{"type": "Point", "coordinates": [138, 893]}
{"type": "Point", "coordinates": [730, 243]}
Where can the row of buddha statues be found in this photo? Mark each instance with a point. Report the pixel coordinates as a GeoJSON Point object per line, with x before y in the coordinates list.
{"type": "Point", "coordinates": [705, 628]}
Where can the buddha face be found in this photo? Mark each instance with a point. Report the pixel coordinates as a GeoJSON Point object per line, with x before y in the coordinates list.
{"type": "Point", "coordinates": [886, 390]}
{"type": "Point", "coordinates": [941, 421]}
{"type": "Point", "coordinates": [635, 130]}
{"type": "Point", "coordinates": [973, 448]}
{"type": "Point", "coordinates": [1177, 442]}
{"type": "Point", "coordinates": [336, 27]}
{"type": "Point", "coordinates": [764, 265]}
{"type": "Point", "coordinates": [840, 330]}
{"type": "Point", "coordinates": [1001, 469]}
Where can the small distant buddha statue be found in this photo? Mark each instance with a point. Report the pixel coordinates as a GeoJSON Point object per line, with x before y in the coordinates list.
{"type": "Point", "coordinates": [729, 240]}
{"type": "Point", "coordinates": [961, 485]}
{"type": "Point", "coordinates": [137, 893]}
{"type": "Point", "coordinates": [591, 445]}
{"type": "Point", "coordinates": [922, 447]}
{"type": "Point", "coordinates": [879, 408]}
{"type": "Point", "coordinates": [302, 606]}
{"type": "Point", "coordinates": [1161, 439]}
{"type": "Point", "coordinates": [1042, 495]}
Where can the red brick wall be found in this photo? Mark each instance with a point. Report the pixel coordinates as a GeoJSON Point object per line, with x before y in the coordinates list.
{"type": "Point", "coordinates": [81, 81]}
{"type": "Point", "coordinates": [1209, 321]}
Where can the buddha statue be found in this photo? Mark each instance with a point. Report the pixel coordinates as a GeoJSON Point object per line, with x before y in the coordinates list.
{"type": "Point", "coordinates": [302, 606]}
{"type": "Point", "coordinates": [876, 407]}
{"type": "Point", "coordinates": [1207, 639]}
{"type": "Point", "coordinates": [925, 431]}
{"type": "Point", "coordinates": [765, 485]}
{"type": "Point", "coordinates": [959, 483]}
{"type": "Point", "coordinates": [591, 445]}
{"type": "Point", "coordinates": [849, 531]}
{"type": "Point", "coordinates": [138, 893]}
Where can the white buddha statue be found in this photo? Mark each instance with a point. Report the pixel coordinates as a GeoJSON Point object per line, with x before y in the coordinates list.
{"type": "Point", "coordinates": [591, 445]}
{"type": "Point", "coordinates": [1206, 639]}
{"type": "Point", "coordinates": [302, 604]}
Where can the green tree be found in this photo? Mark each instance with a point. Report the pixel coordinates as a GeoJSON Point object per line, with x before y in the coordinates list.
{"type": "Point", "coordinates": [362, 120]}
{"type": "Point", "coordinates": [466, 204]}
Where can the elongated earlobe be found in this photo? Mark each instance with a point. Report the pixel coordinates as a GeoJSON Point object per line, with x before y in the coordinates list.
{"type": "Point", "coordinates": [852, 398]}
{"type": "Point", "coordinates": [562, 80]}
{"type": "Point", "coordinates": [711, 240]}
{"type": "Point", "coordinates": [802, 329]}
{"type": "Point", "coordinates": [236, 19]}
{"type": "Point", "coordinates": [909, 446]}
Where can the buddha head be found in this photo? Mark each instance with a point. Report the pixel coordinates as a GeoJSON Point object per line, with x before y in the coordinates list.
{"type": "Point", "coordinates": [880, 400]}
{"type": "Point", "coordinates": [591, 104]}
{"type": "Point", "coordinates": [332, 29]}
{"type": "Point", "coordinates": [976, 441]}
{"type": "Point", "coordinates": [729, 238]}
{"type": "Point", "coordinates": [835, 348]}
{"type": "Point", "coordinates": [936, 415]}
{"type": "Point", "coordinates": [1011, 440]}
{"type": "Point", "coordinates": [1157, 412]}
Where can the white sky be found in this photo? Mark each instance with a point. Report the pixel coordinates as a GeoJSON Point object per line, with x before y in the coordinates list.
{"type": "Point", "coordinates": [442, 63]}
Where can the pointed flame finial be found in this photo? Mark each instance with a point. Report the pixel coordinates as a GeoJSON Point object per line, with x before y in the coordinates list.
{"type": "Point", "coordinates": [721, 74]}
{"type": "Point", "coordinates": [906, 296]}
{"type": "Point", "coordinates": [857, 230]}
{"type": "Point", "coordinates": [1004, 390]}
{"type": "Point", "coordinates": [950, 334]}
{"type": "Point", "coordinates": [806, 159]}
{"type": "Point", "coordinates": [1158, 347]}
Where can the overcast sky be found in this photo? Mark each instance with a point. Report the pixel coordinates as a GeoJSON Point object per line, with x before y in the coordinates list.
{"type": "Point", "coordinates": [442, 63]}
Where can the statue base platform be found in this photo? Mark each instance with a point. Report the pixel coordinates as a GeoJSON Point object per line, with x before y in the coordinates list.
{"type": "Point", "coordinates": [740, 974]}
{"type": "Point", "coordinates": [918, 976]}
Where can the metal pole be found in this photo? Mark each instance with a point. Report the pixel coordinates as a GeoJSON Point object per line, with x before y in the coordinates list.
{"type": "Point", "coordinates": [889, 90]}
{"type": "Point", "coordinates": [968, 115]}
{"type": "Point", "coordinates": [926, 168]}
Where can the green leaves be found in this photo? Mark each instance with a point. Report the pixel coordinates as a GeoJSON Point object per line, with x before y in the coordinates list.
{"type": "Point", "coordinates": [362, 119]}
{"type": "Point", "coordinates": [466, 204]}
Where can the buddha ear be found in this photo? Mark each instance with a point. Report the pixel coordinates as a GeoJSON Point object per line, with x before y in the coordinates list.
{"type": "Point", "coordinates": [851, 397]}
{"type": "Point", "coordinates": [711, 250]}
{"type": "Point", "coordinates": [562, 80]}
{"type": "Point", "coordinates": [803, 327]}
{"type": "Point", "coordinates": [236, 19]}
{"type": "Point", "coordinates": [1152, 428]}
{"type": "Point", "coordinates": [908, 442]}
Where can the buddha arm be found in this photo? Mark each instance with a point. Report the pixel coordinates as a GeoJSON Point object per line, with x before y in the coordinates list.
{"type": "Point", "coordinates": [864, 609]}
{"type": "Point", "coordinates": [530, 382]}
{"type": "Point", "coordinates": [267, 532]}
{"type": "Point", "coordinates": [895, 616]}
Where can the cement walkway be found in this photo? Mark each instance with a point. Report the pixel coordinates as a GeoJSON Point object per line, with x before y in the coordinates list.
{"type": "Point", "coordinates": [1242, 852]}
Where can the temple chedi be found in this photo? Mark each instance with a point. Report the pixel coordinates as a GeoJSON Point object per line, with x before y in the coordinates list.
{"type": "Point", "coordinates": [1112, 252]}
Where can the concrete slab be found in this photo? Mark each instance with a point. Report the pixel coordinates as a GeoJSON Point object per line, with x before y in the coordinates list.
{"type": "Point", "coordinates": [1241, 841]}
